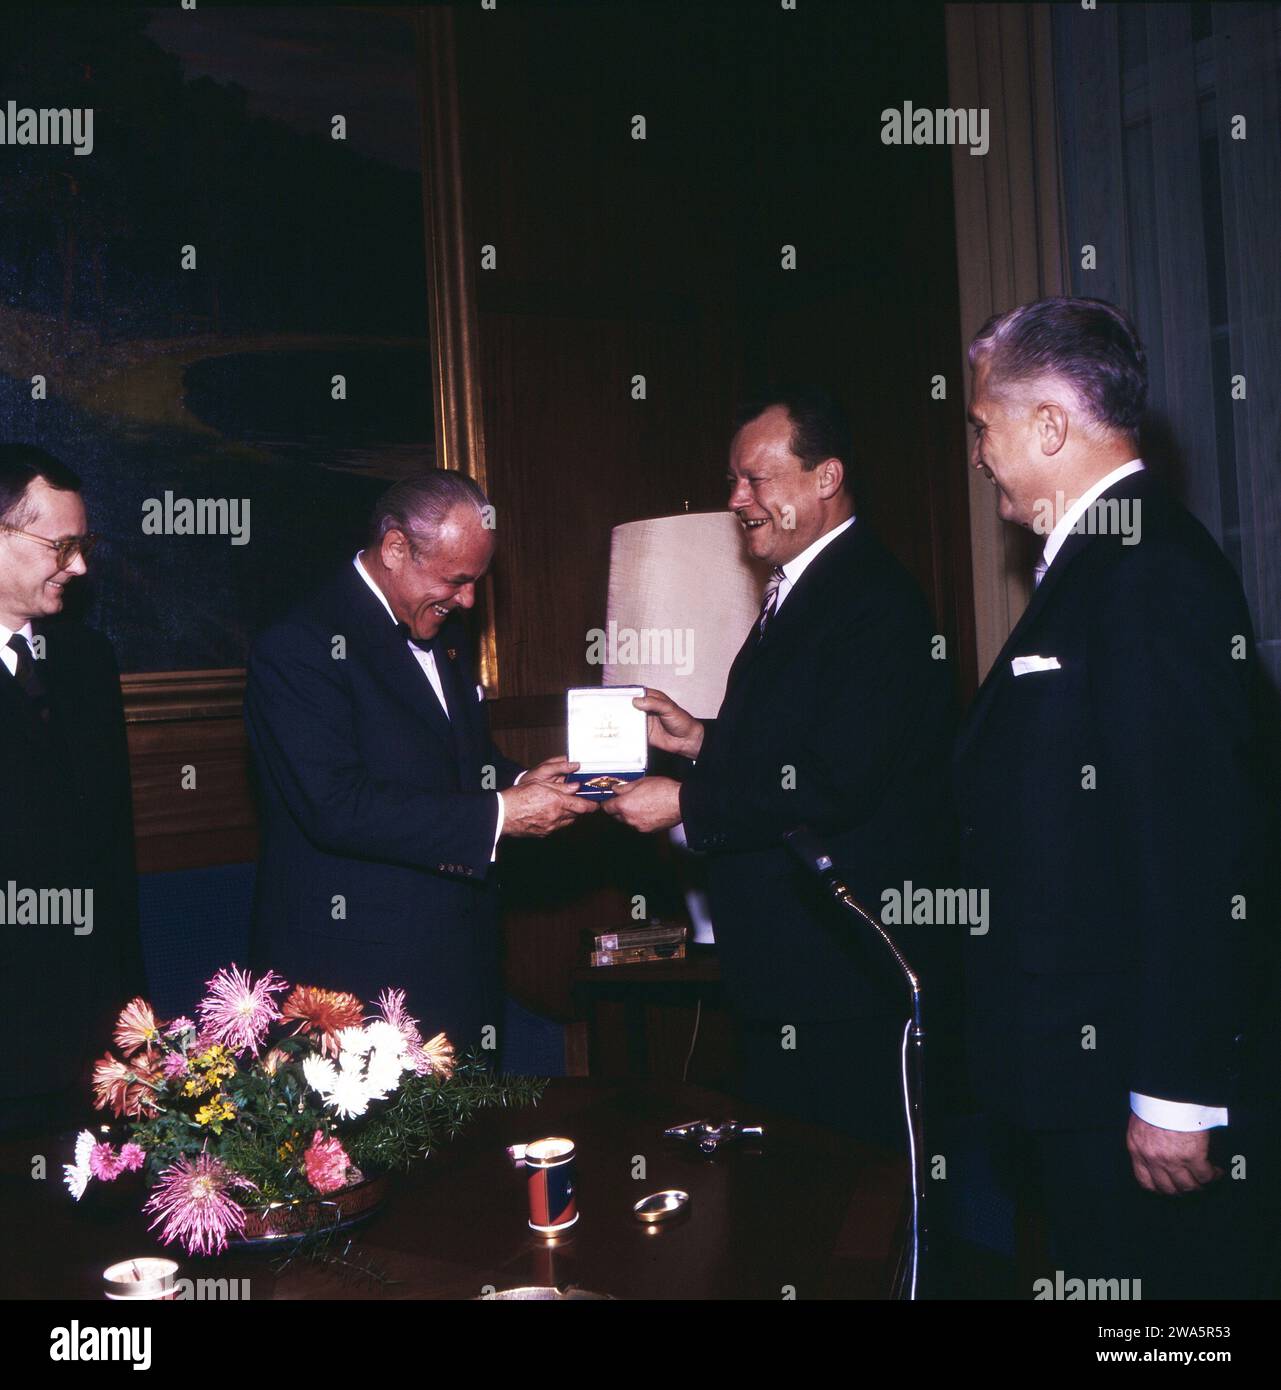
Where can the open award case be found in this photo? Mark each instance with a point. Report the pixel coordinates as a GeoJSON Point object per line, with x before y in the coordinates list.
{"type": "Point", "coordinates": [606, 737]}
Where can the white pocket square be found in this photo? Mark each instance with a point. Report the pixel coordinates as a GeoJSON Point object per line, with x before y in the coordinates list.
{"type": "Point", "coordinates": [1025, 665]}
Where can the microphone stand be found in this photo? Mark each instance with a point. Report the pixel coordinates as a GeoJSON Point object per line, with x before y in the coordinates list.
{"type": "Point", "coordinates": [816, 859]}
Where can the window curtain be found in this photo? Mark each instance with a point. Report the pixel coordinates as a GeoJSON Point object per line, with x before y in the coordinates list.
{"type": "Point", "coordinates": [1009, 247]}
{"type": "Point", "coordinates": [1171, 169]}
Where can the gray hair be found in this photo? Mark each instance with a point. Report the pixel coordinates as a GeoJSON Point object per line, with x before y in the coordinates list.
{"type": "Point", "coordinates": [418, 505]}
{"type": "Point", "coordinates": [1088, 343]}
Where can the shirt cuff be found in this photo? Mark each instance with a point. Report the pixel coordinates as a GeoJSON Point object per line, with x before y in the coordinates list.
{"type": "Point", "coordinates": [1177, 1114]}
{"type": "Point", "coordinates": [502, 816]}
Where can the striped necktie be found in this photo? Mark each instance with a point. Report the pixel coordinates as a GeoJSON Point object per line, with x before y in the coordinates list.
{"type": "Point", "coordinates": [769, 601]}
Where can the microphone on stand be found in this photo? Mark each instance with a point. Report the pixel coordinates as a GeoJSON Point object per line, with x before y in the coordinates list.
{"type": "Point", "coordinates": [809, 850]}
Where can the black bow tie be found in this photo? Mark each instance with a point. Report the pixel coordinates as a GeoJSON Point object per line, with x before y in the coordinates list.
{"type": "Point", "coordinates": [424, 644]}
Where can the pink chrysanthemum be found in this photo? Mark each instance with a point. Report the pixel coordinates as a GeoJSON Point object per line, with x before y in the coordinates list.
{"type": "Point", "coordinates": [178, 1025]}
{"type": "Point", "coordinates": [436, 1055]}
{"type": "Point", "coordinates": [237, 1011]}
{"type": "Point", "coordinates": [193, 1201]}
{"type": "Point", "coordinates": [326, 1163]}
{"type": "Point", "coordinates": [136, 1027]}
{"type": "Point", "coordinates": [132, 1157]}
{"type": "Point", "coordinates": [174, 1065]}
{"type": "Point", "coordinates": [105, 1163]}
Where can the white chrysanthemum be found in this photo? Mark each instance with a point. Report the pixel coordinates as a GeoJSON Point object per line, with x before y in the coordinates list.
{"type": "Point", "coordinates": [320, 1073]}
{"type": "Point", "coordinates": [349, 1097]}
{"type": "Point", "coordinates": [381, 1035]}
{"type": "Point", "coordinates": [353, 1040]}
{"type": "Point", "coordinates": [382, 1076]}
{"type": "Point", "coordinates": [77, 1174]}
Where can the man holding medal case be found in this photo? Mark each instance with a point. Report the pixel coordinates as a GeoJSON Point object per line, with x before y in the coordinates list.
{"type": "Point", "coordinates": [837, 715]}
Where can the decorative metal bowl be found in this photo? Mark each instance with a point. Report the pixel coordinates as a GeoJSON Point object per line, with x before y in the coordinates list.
{"type": "Point", "coordinates": [335, 1211]}
{"type": "Point", "coordinates": [543, 1293]}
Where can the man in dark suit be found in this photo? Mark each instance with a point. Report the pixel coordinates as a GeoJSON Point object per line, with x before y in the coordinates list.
{"type": "Point", "coordinates": [1106, 784]}
{"type": "Point", "coordinates": [837, 715]}
{"type": "Point", "coordinates": [70, 956]}
{"type": "Point", "coordinates": [383, 794]}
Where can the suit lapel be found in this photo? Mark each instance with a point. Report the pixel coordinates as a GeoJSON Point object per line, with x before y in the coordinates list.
{"type": "Point", "coordinates": [796, 616]}
{"type": "Point", "coordinates": [16, 712]}
{"type": "Point", "coordinates": [390, 657]}
{"type": "Point", "coordinates": [1074, 545]}
{"type": "Point", "coordinates": [461, 699]}
{"type": "Point", "coordinates": [1001, 666]}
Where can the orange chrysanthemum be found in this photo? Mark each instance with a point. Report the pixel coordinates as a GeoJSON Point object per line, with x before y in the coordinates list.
{"type": "Point", "coordinates": [323, 1012]}
{"type": "Point", "coordinates": [136, 1027]}
{"type": "Point", "coordinates": [124, 1088]}
{"type": "Point", "coordinates": [440, 1052]}
{"type": "Point", "coordinates": [111, 1081]}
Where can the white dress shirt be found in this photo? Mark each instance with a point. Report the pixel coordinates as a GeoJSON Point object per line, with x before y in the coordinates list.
{"type": "Point", "coordinates": [793, 570]}
{"type": "Point", "coordinates": [1165, 1114]}
{"type": "Point", "coordinates": [427, 660]}
{"type": "Point", "coordinates": [1054, 541]}
{"type": "Point", "coordinates": [7, 654]}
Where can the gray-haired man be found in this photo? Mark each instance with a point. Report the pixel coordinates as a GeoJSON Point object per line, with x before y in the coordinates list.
{"type": "Point", "coordinates": [384, 796]}
{"type": "Point", "coordinates": [1105, 783]}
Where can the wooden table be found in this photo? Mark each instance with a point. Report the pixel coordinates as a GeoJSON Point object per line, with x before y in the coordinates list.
{"type": "Point", "coordinates": [812, 1212]}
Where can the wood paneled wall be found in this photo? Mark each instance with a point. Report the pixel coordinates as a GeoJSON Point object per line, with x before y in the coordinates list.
{"type": "Point", "coordinates": [661, 257]}
{"type": "Point", "coordinates": [616, 257]}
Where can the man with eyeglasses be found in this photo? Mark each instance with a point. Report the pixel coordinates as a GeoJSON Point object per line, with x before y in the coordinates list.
{"type": "Point", "coordinates": [69, 948]}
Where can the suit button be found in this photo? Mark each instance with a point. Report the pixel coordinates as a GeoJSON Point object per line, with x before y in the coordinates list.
{"type": "Point", "coordinates": [968, 832]}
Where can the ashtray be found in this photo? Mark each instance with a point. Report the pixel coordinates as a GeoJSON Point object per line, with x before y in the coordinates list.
{"type": "Point", "coordinates": [661, 1206]}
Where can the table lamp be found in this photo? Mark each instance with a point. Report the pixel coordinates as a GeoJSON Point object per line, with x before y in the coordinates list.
{"type": "Point", "coordinates": [683, 595]}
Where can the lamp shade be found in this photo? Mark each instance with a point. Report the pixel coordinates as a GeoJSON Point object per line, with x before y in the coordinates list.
{"type": "Point", "coordinates": [682, 597]}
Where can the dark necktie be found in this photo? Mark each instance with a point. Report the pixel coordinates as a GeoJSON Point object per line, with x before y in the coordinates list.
{"type": "Point", "coordinates": [27, 677]}
{"type": "Point", "coordinates": [769, 601]}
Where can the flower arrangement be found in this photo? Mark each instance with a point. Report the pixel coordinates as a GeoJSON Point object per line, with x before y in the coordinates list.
{"type": "Point", "coordinates": [223, 1124]}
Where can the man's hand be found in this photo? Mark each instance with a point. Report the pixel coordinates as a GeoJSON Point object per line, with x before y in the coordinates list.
{"type": "Point", "coordinates": [652, 803]}
{"type": "Point", "coordinates": [1170, 1160]}
{"type": "Point", "coordinates": [537, 808]}
{"type": "Point", "coordinates": [669, 727]}
{"type": "Point", "coordinates": [551, 770]}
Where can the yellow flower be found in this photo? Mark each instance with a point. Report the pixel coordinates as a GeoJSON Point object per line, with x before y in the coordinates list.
{"type": "Point", "coordinates": [215, 1111]}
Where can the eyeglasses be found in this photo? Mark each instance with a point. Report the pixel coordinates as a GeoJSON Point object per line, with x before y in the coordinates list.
{"type": "Point", "coordinates": [66, 549]}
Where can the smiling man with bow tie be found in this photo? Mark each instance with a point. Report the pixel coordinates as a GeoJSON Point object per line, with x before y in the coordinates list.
{"type": "Point", "coordinates": [384, 796]}
{"type": "Point", "coordinates": [1105, 778]}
